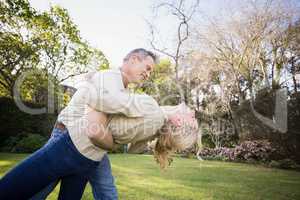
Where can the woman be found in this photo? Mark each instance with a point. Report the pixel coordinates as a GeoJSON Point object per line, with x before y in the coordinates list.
{"type": "Point", "coordinates": [178, 133]}
{"type": "Point", "coordinates": [124, 130]}
{"type": "Point", "coordinates": [74, 150]}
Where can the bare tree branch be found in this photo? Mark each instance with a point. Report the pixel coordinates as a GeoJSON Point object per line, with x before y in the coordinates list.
{"type": "Point", "coordinates": [184, 16]}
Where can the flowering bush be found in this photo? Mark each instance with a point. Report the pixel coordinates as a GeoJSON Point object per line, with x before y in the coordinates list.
{"type": "Point", "coordinates": [259, 150]}
{"type": "Point", "coordinates": [222, 153]}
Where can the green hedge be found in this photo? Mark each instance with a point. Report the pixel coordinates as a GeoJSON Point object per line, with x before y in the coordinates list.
{"type": "Point", "coordinates": [23, 143]}
{"type": "Point", "coordinates": [30, 143]}
{"type": "Point", "coordinates": [17, 127]}
{"type": "Point", "coordinates": [15, 122]}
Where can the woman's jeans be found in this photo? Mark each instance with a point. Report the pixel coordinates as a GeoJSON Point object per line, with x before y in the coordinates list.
{"type": "Point", "coordinates": [57, 158]}
{"type": "Point", "coordinates": [101, 180]}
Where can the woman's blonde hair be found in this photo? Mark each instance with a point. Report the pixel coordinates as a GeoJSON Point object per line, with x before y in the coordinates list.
{"type": "Point", "coordinates": [171, 139]}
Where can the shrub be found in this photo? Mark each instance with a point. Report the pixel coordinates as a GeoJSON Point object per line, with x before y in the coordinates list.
{"type": "Point", "coordinates": [248, 151]}
{"type": "Point", "coordinates": [284, 164]}
{"type": "Point", "coordinates": [258, 150]}
{"type": "Point", "coordinates": [29, 144]}
{"type": "Point", "coordinates": [207, 141]}
{"type": "Point", "coordinates": [222, 153]}
{"type": "Point", "coordinates": [14, 121]}
{"type": "Point", "coordinates": [9, 143]}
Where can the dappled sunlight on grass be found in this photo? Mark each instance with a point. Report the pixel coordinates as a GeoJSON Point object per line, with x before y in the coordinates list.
{"type": "Point", "coordinates": [220, 180]}
{"type": "Point", "coordinates": [138, 177]}
{"type": "Point", "coordinates": [5, 163]}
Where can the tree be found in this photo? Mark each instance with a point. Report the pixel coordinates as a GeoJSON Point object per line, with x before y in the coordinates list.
{"type": "Point", "coordinates": [42, 40]}
{"type": "Point", "coordinates": [183, 12]}
{"type": "Point", "coordinates": [18, 51]}
{"type": "Point", "coordinates": [241, 54]}
{"type": "Point", "coordinates": [64, 53]}
{"type": "Point", "coordinates": [293, 35]}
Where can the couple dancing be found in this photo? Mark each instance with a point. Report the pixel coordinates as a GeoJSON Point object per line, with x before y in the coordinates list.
{"type": "Point", "coordinates": [101, 115]}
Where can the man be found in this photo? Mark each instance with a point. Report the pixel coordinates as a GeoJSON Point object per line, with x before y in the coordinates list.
{"type": "Point", "coordinates": [105, 94]}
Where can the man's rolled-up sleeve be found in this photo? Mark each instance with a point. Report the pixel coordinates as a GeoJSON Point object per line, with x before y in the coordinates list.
{"type": "Point", "coordinates": [104, 97]}
{"type": "Point", "coordinates": [131, 105]}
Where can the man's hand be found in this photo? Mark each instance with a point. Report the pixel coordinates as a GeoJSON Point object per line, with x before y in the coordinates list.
{"type": "Point", "coordinates": [97, 130]}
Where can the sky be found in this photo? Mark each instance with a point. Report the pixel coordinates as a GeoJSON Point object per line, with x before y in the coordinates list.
{"type": "Point", "coordinates": [113, 26]}
{"type": "Point", "coordinates": [118, 26]}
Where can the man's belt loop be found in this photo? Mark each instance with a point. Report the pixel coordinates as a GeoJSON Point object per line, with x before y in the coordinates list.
{"type": "Point", "coordinates": [60, 126]}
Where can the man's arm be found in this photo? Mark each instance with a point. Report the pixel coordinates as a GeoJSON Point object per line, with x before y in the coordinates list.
{"type": "Point", "coordinates": [104, 95]}
{"type": "Point", "coordinates": [131, 105]}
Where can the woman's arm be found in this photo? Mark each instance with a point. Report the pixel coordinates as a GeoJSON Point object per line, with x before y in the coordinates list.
{"type": "Point", "coordinates": [97, 130]}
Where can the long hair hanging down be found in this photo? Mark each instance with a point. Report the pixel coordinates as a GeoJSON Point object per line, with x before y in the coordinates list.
{"type": "Point", "coordinates": [172, 139]}
{"type": "Point", "coordinates": [164, 147]}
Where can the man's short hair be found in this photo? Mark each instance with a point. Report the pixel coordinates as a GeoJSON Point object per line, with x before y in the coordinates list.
{"type": "Point", "coordinates": [142, 54]}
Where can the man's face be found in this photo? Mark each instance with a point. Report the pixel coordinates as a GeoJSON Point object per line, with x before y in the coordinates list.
{"type": "Point", "coordinates": [139, 69]}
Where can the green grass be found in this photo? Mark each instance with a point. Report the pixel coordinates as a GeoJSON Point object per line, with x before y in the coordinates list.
{"type": "Point", "coordinates": [138, 177]}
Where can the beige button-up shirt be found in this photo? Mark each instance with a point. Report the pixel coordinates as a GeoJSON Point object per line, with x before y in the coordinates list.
{"type": "Point", "coordinates": [105, 92]}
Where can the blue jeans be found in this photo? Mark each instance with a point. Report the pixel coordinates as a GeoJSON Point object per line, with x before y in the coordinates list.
{"type": "Point", "coordinates": [101, 180]}
{"type": "Point", "coordinates": [57, 158]}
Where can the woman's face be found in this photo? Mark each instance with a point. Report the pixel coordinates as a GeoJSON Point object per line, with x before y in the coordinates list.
{"type": "Point", "coordinates": [184, 131]}
{"type": "Point", "coordinates": [183, 119]}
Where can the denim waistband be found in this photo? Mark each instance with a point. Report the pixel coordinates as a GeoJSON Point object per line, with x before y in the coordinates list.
{"type": "Point", "coordinates": [60, 130]}
{"type": "Point", "coordinates": [65, 134]}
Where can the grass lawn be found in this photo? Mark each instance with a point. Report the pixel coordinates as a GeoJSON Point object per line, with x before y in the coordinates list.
{"type": "Point", "coordinates": [139, 178]}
